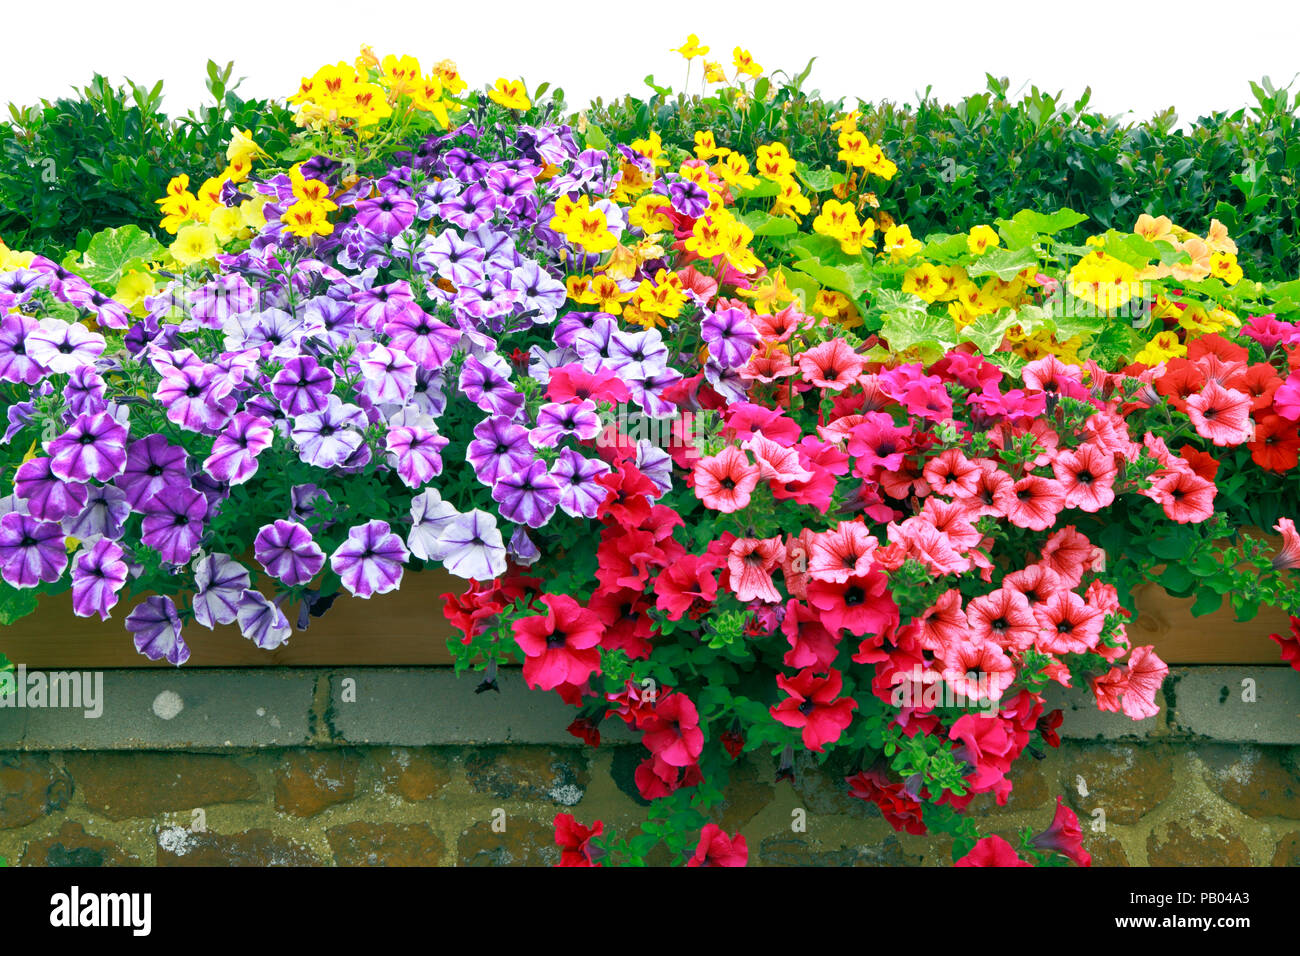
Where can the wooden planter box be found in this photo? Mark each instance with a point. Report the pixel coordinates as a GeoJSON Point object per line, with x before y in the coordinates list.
{"type": "Point", "coordinates": [408, 628]}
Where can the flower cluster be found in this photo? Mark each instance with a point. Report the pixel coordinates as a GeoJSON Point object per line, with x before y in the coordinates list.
{"type": "Point", "coordinates": [743, 486]}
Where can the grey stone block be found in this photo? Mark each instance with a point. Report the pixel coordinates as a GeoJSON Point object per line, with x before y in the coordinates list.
{"type": "Point", "coordinates": [1083, 721]}
{"type": "Point", "coordinates": [164, 709]}
{"type": "Point", "coordinates": [1243, 703]}
{"type": "Point", "coordinates": [411, 708]}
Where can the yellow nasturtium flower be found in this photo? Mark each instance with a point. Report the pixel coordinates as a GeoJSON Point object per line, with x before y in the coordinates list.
{"type": "Point", "coordinates": [134, 287]}
{"type": "Point", "coordinates": [835, 219]}
{"type": "Point", "coordinates": [193, 244]}
{"type": "Point", "coordinates": [925, 281]}
{"type": "Point", "coordinates": [691, 48]}
{"type": "Point", "coordinates": [589, 229]}
{"type": "Point", "coordinates": [305, 219]}
{"type": "Point", "coordinates": [733, 169]}
{"type": "Point", "coordinates": [706, 146]}
{"type": "Point", "coordinates": [511, 94]}
{"type": "Point", "coordinates": [713, 72]}
{"type": "Point", "coordinates": [1161, 348]}
{"type": "Point", "coordinates": [1223, 265]}
{"type": "Point", "coordinates": [226, 222]}
{"type": "Point", "coordinates": [900, 244]}
{"type": "Point", "coordinates": [744, 63]}
{"type": "Point", "coordinates": [242, 146]}
{"type": "Point", "coordinates": [774, 162]}
{"type": "Point", "coordinates": [981, 239]}
{"type": "Point", "coordinates": [449, 74]}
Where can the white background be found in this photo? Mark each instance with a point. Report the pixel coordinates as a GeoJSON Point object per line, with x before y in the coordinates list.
{"type": "Point", "coordinates": [1138, 57]}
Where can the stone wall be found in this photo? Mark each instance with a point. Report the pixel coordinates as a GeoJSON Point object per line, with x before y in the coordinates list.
{"type": "Point", "coordinates": [217, 768]}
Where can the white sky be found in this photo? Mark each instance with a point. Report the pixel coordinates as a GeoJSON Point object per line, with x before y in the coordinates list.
{"type": "Point", "coordinates": [1138, 57]}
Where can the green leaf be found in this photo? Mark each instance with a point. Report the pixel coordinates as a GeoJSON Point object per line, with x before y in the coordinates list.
{"type": "Point", "coordinates": [15, 603]}
{"type": "Point", "coordinates": [819, 180]}
{"type": "Point", "coordinates": [987, 330]}
{"type": "Point", "coordinates": [904, 329]}
{"type": "Point", "coordinates": [1026, 226]}
{"type": "Point", "coordinates": [596, 138]}
{"type": "Point", "coordinates": [764, 224]}
{"type": "Point", "coordinates": [114, 252]}
{"type": "Point", "coordinates": [1004, 263]}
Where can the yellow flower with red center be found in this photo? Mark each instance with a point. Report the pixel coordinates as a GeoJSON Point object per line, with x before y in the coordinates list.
{"type": "Point", "coordinates": [706, 145]}
{"type": "Point", "coordinates": [733, 169]}
{"type": "Point", "coordinates": [744, 63]}
{"type": "Point", "coordinates": [708, 236]}
{"type": "Point", "coordinates": [691, 48]}
{"type": "Point", "coordinates": [1223, 266]}
{"type": "Point", "coordinates": [663, 298]}
{"type": "Point", "coordinates": [648, 214]}
{"type": "Point", "coordinates": [774, 162]}
{"type": "Point", "coordinates": [713, 72]}
{"type": "Point", "coordinates": [400, 76]}
{"type": "Point", "coordinates": [510, 93]}
{"type": "Point", "coordinates": [1103, 280]}
{"type": "Point", "coordinates": [310, 190]}
{"type": "Point", "coordinates": [981, 239]}
{"type": "Point", "coordinates": [790, 200]}
{"type": "Point", "coordinates": [652, 148]}
{"type": "Point", "coordinates": [606, 294]}
{"type": "Point", "coordinates": [900, 244]}
{"type": "Point", "coordinates": [449, 74]}
{"type": "Point", "coordinates": [589, 229]}
{"type": "Point", "coordinates": [769, 296]}
{"type": "Point", "coordinates": [305, 219]}
{"type": "Point", "coordinates": [925, 281]}
{"type": "Point", "coordinates": [836, 219]}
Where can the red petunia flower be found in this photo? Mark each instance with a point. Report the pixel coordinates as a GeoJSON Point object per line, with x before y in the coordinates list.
{"type": "Point", "coordinates": [1064, 836]}
{"type": "Point", "coordinates": [992, 851]}
{"type": "Point", "coordinates": [1276, 445]}
{"type": "Point", "coordinates": [1035, 502]}
{"type": "Point", "coordinates": [574, 840]}
{"type": "Point", "coordinates": [717, 849]}
{"type": "Point", "coordinates": [1087, 475]}
{"type": "Point", "coordinates": [560, 646]}
{"type": "Point", "coordinates": [815, 707]}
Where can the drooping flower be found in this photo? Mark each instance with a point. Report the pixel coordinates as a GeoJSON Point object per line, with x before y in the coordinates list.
{"type": "Point", "coordinates": [157, 629]}
{"type": "Point", "coordinates": [716, 848]}
{"type": "Point", "coordinates": [261, 620]}
{"type": "Point", "coordinates": [98, 574]}
{"type": "Point", "coordinates": [219, 585]}
{"type": "Point", "coordinates": [370, 560]}
{"type": "Point", "coordinates": [1064, 836]}
{"type": "Point", "coordinates": [575, 839]}
{"type": "Point", "coordinates": [751, 562]}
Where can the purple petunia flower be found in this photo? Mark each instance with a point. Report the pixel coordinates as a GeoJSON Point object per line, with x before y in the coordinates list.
{"type": "Point", "coordinates": [196, 397]}
{"type": "Point", "coordinates": [426, 340]}
{"type": "Point", "coordinates": [157, 630]}
{"type": "Point", "coordinates": [328, 437]}
{"type": "Point", "coordinates": [486, 383]}
{"type": "Point", "coordinates": [220, 300]}
{"type": "Point", "coordinates": [416, 453]}
{"type": "Point", "coordinates": [16, 362]}
{"type": "Point", "coordinates": [85, 391]}
{"type": "Point", "coordinates": [94, 447]}
{"type": "Point", "coordinates": [472, 547]}
{"type": "Point", "coordinates": [647, 391]}
{"type": "Point", "coordinates": [287, 551]}
{"type": "Point", "coordinates": [386, 215]}
{"type": "Point", "coordinates": [556, 421]}
{"type": "Point", "coordinates": [173, 523]}
{"type": "Point", "coordinates": [580, 495]}
{"type": "Point", "coordinates": [302, 386]}
{"type": "Point", "coordinates": [234, 453]}
{"type": "Point", "coordinates": [48, 496]}
{"type": "Point", "coordinates": [219, 583]}
{"type": "Point", "coordinates": [370, 560]}
{"type": "Point", "coordinates": [730, 336]}
{"type": "Point", "coordinates": [522, 550]}
{"type": "Point", "coordinates": [379, 305]}
{"type": "Point", "coordinates": [455, 259]}
{"type": "Point", "coordinates": [430, 516]}
{"type": "Point", "coordinates": [529, 496]}
{"type": "Point", "coordinates": [109, 314]}
{"type": "Point", "coordinates": [61, 346]}
{"type": "Point", "coordinates": [471, 209]}
{"type": "Point", "coordinates": [687, 197]}
{"type": "Point", "coordinates": [152, 464]}
{"type": "Point", "coordinates": [387, 375]}
{"type": "Point", "coordinates": [262, 621]}
{"type": "Point", "coordinates": [540, 292]}
{"type": "Point", "coordinates": [499, 447]}
{"type": "Point", "coordinates": [31, 551]}
{"type": "Point", "coordinates": [103, 516]}
{"type": "Point", "coordinates": [98, 574]}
